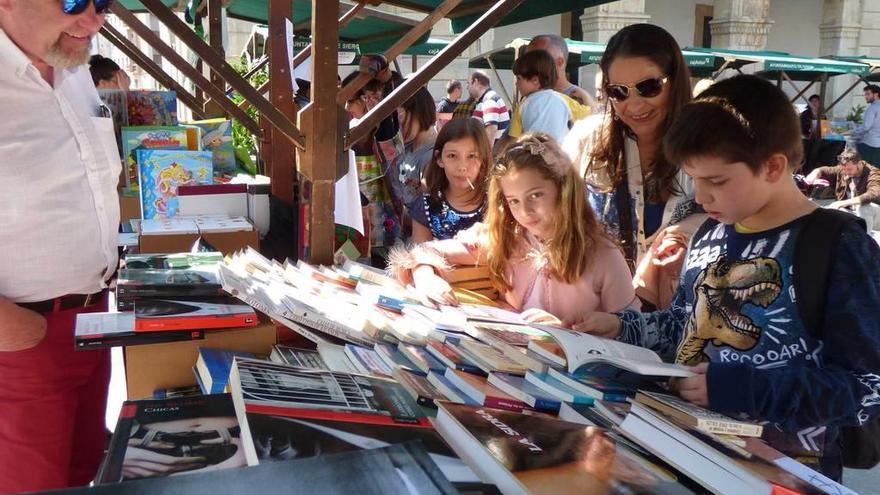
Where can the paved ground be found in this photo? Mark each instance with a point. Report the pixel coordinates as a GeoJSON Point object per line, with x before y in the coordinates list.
{"type": "Point", "coordinates": [863, 482]}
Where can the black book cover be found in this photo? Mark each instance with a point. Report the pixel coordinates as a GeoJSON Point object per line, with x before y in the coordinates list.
{"type": "Point", "coordinates": [197, 281]}
{"type": "Point", "coordinates": [399, 469]}
{"type": "Point", "coordinates": [172, 261]}
{"type": "Point", "coordinates": [138, 338]}
{"type": "Point", "coordinates": [155, 438]}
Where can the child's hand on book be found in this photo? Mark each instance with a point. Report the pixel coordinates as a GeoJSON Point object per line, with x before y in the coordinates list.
{"type": "Point", "coordinates": [599, 324]}
{"type": "Point", "coordinates": [431, 288]}
{"type": "Point", "coordinates": [693, 389]}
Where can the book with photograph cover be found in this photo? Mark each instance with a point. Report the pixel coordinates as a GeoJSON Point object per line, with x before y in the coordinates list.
{"type": "Point", "coordinates": [526, 453]}
{"type": "Point", "coordinates": [198, 281]}
{"type": "Point", "coordinates": [156, 315]}
{"type": "Point", "coordinates": [295, 356]}
{"type": "Point", "coordinates": [278, 438]}
{"type": "Point", "coordinates": [263, 387]}
{"type": "Point", "coordinates": [102, 330]}
{"type": "Point", "coordinates": [172, 436]}
{"type": "Point", "coordinates": [400, 468]}
{"type": "Point", "coordinates": [161, 172]}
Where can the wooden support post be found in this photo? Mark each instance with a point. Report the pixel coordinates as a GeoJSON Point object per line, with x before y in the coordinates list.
{"type": "Point", "coordinates": [399, 47]}
{"type": "Point", "coordinates": [216, 28]}
{"type": "Point", "coordinates": [800, 92]}
{"type": "Point", "coordinates": [323, 157]}
{"type": "Point", "coordinates": [279, 154]}
{"type": "Point", "coordinates": [152, 68]}
{"type": "Point", "coordinates": [182, 65]}
{"type": "Point", "coordinates": [217, 63]}
{"type": "Point", "coordinates": [427, 71]}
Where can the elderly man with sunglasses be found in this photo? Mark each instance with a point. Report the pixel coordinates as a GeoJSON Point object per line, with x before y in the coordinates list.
{"type": "Point", "coordinates": [59, 217]}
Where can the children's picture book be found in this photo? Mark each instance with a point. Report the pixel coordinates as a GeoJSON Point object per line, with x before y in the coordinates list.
{"type": "Point", "coordinates": [698, 417]}
{"type": "Point", "coordinates": [527, 453]}
{"type": "Point", "coordinates": [152, 107]}
{"type": "Point", "coordinates": [152, 138]}
{"type": "Point", "coordinates": [579, 348]}
{"type": "Point", "coordinates": [161, 172]}
{"type": "Point", "coordinates": [156, 315]}
{"type": "Point", "coordinates": [216, 137]}
{"type": "Point", "coordinates": [189, 434]}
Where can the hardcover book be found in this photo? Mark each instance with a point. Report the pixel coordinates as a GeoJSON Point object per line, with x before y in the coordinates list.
{"type": "Point", "coordinates": [189, 435]}
{"type": "Point", "coordinates": [533, 453]}
{"type": "Point", "coordinates": [151, 138]}
{"type": "Point", "coordinates": [161, 172]}
{"type": "Point", "coordinates": [152, 107]}
{"type": "Point", "coordinates": [156, 315]}
{"type": "Point", "coordinates": [216, 137]}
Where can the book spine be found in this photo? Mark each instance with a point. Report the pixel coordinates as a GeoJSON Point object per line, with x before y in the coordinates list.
{"type": "Point", "coordinates": [193, 323]}
{"type": "Point", "coordinates": [201, 290]}
{"type": "Point", "coordinates": [505, 404]}
{"type": "Point", "coordinates": [546, 405]}
{"type": "Point", "coordinates": [354, 417]}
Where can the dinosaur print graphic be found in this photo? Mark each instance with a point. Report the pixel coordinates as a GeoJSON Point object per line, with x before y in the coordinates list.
{"type": "Point", "coordinates": [721, 291]}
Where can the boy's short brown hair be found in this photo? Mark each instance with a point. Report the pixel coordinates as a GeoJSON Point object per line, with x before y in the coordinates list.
{"type": "Point", "coordinates": [741, 119]}
{"type": "Point", "coordinates": [537, 63]}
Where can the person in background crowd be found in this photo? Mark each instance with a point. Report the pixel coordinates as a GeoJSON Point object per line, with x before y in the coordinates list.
{"type": "Point", "coordinates": [59, 212]}
{"type": "Point", "coordinates": [558, 50]}
{"type": "Point", "coordinates": [489, 107]}
{"type": "Point", "coordinates": [645, 202]}
{"type": "Point", "coordinates": [455, 183]}
{"type": "Point", "coordinates": [545, 251]}
{"type": "Point", "coordinates": [810, 118]}
{"type": "Point", "coordinates": [450, 101]}
{"type": "Point", "coordinates": [868, 132]}
{"type": "Point", "coordinates": [738, 304]}
{"type": "Point", "coordinates": [417, 119]}
{"type": "Point", "coordinates": [856, 186]}
{"type": "Point", "coordinates": [106, 74]}
{"type": "Point", "coordinates": [542, 109]}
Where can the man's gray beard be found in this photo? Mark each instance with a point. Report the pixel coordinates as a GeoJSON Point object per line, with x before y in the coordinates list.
{"type": "Point", "coordinates": [58, 59]}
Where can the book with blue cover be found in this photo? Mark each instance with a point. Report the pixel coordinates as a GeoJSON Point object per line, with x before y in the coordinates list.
{"type": "Point", "coordinates": [147, 107]}
{"type": "Point", "coordinates": [517, 386]}
{"type": "Point", "coordinates": [557, 389]}
{"type": "Point", "coordinates": [420, 357]}
{"type": "Point", "coordinates": [151, 138]}
{"type": "Point", "coordinates": [213, 367]}
{"type": "Point", "coordinates": [594, 386]}
{"type": "Point", "coordinates": [392, 356]}
{"type": "Point", "coordinates": [161, 172]}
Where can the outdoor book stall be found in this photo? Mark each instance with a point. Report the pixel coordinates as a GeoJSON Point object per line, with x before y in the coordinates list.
{"type": "Point", "coordinates": [297, 375]}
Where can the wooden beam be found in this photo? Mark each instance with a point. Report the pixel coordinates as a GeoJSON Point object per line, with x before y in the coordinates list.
{"type": "Point", "coordinates": [398, 48]}
{"type": "Point", "coordinates": [215, 40]}
{"type": "Point", "coordinates": [323, 159]}
{"type": "Point", "coordinates": [152, 68]}
{"type": "Point", "coordinates": [427, 71]}
{"type": "Point", "coordinates": [183, 66]}
{"type": "Point", "coordinates": [217, 63]}
{"type": "Point", "coordinates": [279, 153]}
{"type": "Point", "coordinates": [303, 54]}
{"type": "Point", "coordinates": [416, 7]}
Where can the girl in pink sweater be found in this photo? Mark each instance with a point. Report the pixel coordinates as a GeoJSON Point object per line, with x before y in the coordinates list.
{"type": "Point", "coordinates": [541, 241]}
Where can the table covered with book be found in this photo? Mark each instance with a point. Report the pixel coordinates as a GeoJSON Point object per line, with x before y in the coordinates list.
{"type": "Point", "coordinates": [383, 394]}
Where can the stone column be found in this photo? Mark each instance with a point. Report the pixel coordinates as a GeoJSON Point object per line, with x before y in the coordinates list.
{"type": "Point", "coordinates": [741, 24]}
{"type": "Point", "coordinates": [839, 35]}
{"type": "Point", "coordinates": [599, 25]}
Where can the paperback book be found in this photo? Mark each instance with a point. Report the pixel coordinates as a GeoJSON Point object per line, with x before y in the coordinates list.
{"type": "Point", "coordinates": [102, 330]}
{"type": "Point", "coordinates": [189, 434]}
{"type": "Point", "coordinates": [295, 356]}
{"type": "Point", "coordinates": [156, 315]}
{"type": "Point", "coordinates": [518, 387]}
{"type": "Point", "coordinates": [418, 386]}
{"type": "Point", "coordinates": [173, 261]}
{"type": "Point", "coordinates": [481, 392]}
{"type": "Point", "coordinates": [698, 417]}
{"type": "Point", "coordinates": [198, 281]}
{"type": "Point", "coordinates": [213, 367]}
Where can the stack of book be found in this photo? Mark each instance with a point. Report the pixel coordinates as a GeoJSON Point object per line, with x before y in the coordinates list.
{"type": "Point", "coordinates": [164, 298]}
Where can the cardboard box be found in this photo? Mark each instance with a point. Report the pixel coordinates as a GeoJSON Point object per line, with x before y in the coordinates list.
{"type": "Point", "coordinates": [225, 242]}
{"type": "Point", "coordinates": [151, 367]}
{"type": "Point", "coordinates": [129, 206]}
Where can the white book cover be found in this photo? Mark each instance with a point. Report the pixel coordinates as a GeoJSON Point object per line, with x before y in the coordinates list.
{"type": "Point", "coordinates": [96, 324]}
{"type": "Point", "coordinates": [174, 225]}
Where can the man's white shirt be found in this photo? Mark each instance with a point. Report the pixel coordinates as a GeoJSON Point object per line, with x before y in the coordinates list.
{"type": "Point", "coordinates": [59, 169]}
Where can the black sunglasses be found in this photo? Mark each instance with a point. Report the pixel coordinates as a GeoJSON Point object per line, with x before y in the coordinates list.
{"type": "Point", "coordinates": [76, 7]}
{"type": "Point", "coordinates": [647, 88]}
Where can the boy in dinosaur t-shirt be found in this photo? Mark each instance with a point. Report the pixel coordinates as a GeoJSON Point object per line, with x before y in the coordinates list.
{"type": "Point", "coordinates": [735, 316]}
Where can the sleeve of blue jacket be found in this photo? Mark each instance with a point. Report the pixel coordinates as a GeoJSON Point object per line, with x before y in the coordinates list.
{"type": "Point", "coordinates": [659, 331]}
{"type": "Point", "coordinates": [846, 389]}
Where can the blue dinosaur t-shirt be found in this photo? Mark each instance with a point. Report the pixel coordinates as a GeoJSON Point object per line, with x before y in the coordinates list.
{"type": "Point", "coordinates": [737, 309]}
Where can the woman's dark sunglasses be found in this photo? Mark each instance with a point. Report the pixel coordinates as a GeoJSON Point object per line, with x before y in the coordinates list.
{"type": "Point", "coordinates": [76, 7]}
{"type": "Point", "coordinates": [647, 88]}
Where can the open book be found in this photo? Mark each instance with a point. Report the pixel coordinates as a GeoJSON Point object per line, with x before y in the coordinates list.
{"type": "Point", "coordinates": [581, 348]}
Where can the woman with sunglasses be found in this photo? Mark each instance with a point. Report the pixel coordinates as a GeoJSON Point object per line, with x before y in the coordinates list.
{"type": "Point", "coordinates": [644, 201]}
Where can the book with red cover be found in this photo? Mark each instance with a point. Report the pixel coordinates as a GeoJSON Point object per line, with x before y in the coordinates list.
{"type": "Point", "coordinates": [156, 315]}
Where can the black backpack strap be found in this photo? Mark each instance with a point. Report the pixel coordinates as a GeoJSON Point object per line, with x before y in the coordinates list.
{"type": "Point", "coordinates": [814, 255]}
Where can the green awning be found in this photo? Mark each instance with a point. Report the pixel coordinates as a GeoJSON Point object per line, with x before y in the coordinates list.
{"type": "Point", "coordinates": [872, 63]}
{"type": "Point", "coordinates": [771, 64]}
